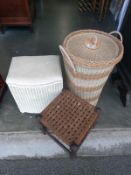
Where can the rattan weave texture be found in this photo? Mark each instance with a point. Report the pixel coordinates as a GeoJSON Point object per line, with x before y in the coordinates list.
{"type": "Point", "coordinates": [89, 58]}
{"type": "Point", "coordinates": [69, 118]}
{"type": "Point", "coordinates": [109, 53]}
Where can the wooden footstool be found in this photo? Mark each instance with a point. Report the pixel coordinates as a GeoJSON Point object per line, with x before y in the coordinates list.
{"type": "Point", "coordinates": [68, 119]}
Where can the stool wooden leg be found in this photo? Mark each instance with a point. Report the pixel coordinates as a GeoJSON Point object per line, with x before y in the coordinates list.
{"type": "Point", "coordinates": [97, 109]}
{"type": "Point", "coordinates": [44, 129]}
{"type": "Point", "coordinates": [73, 150]}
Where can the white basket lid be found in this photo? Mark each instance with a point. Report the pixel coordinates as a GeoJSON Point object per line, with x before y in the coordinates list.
{"type": "Point", "coordinates": [34, 70]}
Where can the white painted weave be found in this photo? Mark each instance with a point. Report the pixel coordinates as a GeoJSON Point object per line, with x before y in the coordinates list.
{"type": "Point", "coordinates": [35, 99]}
{"type": "Point", "coordinates": [34, 81]}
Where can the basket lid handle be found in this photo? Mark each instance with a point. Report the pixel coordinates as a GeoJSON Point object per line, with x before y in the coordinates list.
{"type": "Point", "coordinates": [92, 42]}
{"type": "Point", "coordinates": [119, 34]}
{"type": "Point", "coordinates": [66, 56]}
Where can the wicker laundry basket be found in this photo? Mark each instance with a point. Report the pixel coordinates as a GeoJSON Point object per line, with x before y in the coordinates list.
{"type": "Point", "coordinates": [89, 57]}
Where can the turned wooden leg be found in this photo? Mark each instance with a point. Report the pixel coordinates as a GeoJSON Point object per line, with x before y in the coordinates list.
{"type": "Point", "coordinates": [97, 109]}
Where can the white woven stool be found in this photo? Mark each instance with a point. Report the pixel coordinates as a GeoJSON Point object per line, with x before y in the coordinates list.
{"type": "Point", "coordinates": [34, 81]}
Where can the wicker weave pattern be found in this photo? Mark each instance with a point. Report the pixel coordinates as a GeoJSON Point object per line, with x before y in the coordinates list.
{"type": "Point", "coordinates": [31, 98]}
{"type": "Point", "coordinates": [91, 68]}
{"type": "Point", "coordinates": [87, 86]}
{"type": "Point", "coordinates": [87, 74]}
{"type": "Point", "coordinates": [69, 118]}
{"type": "Point", "coordinates": [90, 96]}
{"type": "Point", "coordinates": [94, 63]}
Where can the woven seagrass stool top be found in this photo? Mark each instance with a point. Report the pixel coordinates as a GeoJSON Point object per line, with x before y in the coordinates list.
{"type": "Point", "coordinates": [69, 118]}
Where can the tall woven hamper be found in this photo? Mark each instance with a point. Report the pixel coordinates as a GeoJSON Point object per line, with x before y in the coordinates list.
{"type": "Point", "coordinates": [89, 57]}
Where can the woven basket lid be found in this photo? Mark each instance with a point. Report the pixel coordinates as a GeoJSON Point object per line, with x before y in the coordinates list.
{"type": "Point", "coordinates": [93, 46]}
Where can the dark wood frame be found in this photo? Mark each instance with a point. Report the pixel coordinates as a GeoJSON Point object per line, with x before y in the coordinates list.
{"type": "Point", "coordinates": [19, 20]}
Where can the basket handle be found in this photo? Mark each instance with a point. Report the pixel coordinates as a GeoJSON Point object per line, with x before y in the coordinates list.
{"type": "Point", "coordinates": [119, 34]}
{"type": "Point", "coordinates": [66, 56]}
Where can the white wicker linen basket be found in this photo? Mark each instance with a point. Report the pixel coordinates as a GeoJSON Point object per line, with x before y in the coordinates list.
{"type": "Point", "coordinates": [89, 58]}
{"type": "Point", "coordinates": [34, 81]}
